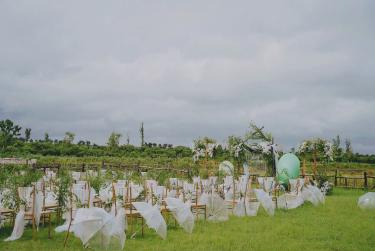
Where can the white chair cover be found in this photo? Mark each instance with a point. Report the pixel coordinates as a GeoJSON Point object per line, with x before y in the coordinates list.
{"type": "Point", "coordinates": [296, 185]}
{"type": "Point", "coordinates": [182, 213]}
{"type": "Point", "coordinates": [106, 194]}
{"type": "Point", "coordinates": [289, 201]}
{"type": "Point", "coordinates": [173, 182]}
{"type": "Point", "coordinates": [76, 176]}
{"type": "Point", "coordinates": [243, 208]}
{"type": "Point", "coordinates": [313, 194]}
{"type": "Point", "coordinates": [19, 226]}
{"type": "Point", "coordinates": [153, 217]}
{"type": "Point", "coordinates": [196, 180]}
{"type": "Point", "coordinates": [136, 190]}
{"type": "Point", "coordinates": [265, 200]}
{"type": "Point", "coordinates": [216, 207]}
{"type": "Point", "coordinates": [242, 183]}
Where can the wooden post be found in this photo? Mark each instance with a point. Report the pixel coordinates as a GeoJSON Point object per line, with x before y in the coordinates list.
{"type": "Point", "coordinates": [114, 197]}
{"type": "Point", "coordinates": [88, 201]}
{"type": "Point", "coordinates": [336, 172]}
{"type": "Point", "coordinates": [365, 184]}
{"type": "Point", "coordinates": [304, 168]}
{"type": "Point", "coordinates": [196, 201]}
{"type": "Point", "coordinates": [315, 166]}
{"type": "Point", "coordinates": [346, 182]}
{"type": "Point", "coordinates": [33, 212]}
{"type": "Point", "coordinates": [234, 194]}
{"type": "Point", "coordinates": [206, 159]}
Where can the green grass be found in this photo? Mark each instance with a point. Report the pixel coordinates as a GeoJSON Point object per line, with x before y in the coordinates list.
{"type": "Point", "coordinates": [337, 225]}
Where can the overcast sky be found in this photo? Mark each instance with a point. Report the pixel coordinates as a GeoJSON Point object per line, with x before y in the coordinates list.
{"type": "Point", "coordinates": [190, 68]}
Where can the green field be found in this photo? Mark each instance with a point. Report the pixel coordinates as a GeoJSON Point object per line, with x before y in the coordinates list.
{"type": "Point", "coordinates": [337, 225]}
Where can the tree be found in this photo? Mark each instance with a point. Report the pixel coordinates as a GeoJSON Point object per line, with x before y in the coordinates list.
{"type": "Point", "coordinates": [127, 139]}
{"type": "Point", "coordinates": [69, 138]}
{"type": "Point", "coordinates": [27, 134]}
{"type": "Point", "coordinates": [348, 150]}
{"type": "Point", "coordinates": [114, 140]}
{"type": "Point", "coordinates": [336, 148]}
{"type": "Point", "coordinates": [8, 133]}
{"type": "Point", "coordinates": [46, 137]}
{"type": "Point", "coordinates": [142, 133]}
{"type": "Point", "coordinates": [81, 143]}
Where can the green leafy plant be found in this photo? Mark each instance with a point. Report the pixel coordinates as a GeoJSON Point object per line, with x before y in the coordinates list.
{"type": "Point", "coordinates": [63, 192]}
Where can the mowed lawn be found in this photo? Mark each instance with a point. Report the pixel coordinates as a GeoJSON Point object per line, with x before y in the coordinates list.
{"type": "Point", "coordinates": [337, 225]}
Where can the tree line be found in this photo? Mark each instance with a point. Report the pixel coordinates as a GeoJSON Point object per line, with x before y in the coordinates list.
{"type": "Point", "coordinates": [17, 142]}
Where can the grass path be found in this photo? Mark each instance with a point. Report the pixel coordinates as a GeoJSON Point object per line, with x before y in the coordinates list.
{"type": "Point", "coordinates": [337, 225]}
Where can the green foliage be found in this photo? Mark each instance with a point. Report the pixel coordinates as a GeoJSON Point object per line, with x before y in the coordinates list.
{"type": "Point", "coordinates": [256, 133]}
{"type": "Point", "coordinates": [316, 149]}
{"type": "Point", "coordinates": [336, 148]}
{"type": "Point", "coordinates": [114, 140]}
{"type": "Point", "coordinates": [203, 142]}
{"type": "Point", "coordinates": [27, 134]}
{"type": "Point", "coordinates": [348, 150]}
{"type": "Point", "coordinates": [161, 176]}
{"type": "Point", "coordinates": [69, 138]}
{"type": "Point", "coordinates": [14, 176]}
{"type": "Point", "coordinates": [46, 137]}
{"type": "Point", "coordinates": [142, 134]}
{"type": "Point", "coordinates": [97, 182]}
{"type": "Point", "coordinates": [127, 139]}
{"type": "Point", "coordinates": [63, 192]}
{"type": "Point", "coordinates": [8, 133]}
{"type": "Point", "coordinates": [151, 153]}
{"type": "Point", "coordinates": [28, 176]}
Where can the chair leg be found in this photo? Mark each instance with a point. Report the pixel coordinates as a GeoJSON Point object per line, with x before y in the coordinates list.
{"type": "Point", "coordinates": [131, 224]}
{"type": "Point", "coordinates": [142, 227]}
{"type": "Point", "coordinates": [33, 222]}
{"type": "Point", "coordinates": [166, 217]}
{"type": "Point", "coordinates": [49, 226]}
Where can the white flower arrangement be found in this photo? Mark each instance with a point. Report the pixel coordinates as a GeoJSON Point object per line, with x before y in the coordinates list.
{"type": "Point", "coordinates": [310, 145]}
{"type": "Point", "coordinates": [261, 147]}
{"type": "Point", "coordinates": [328, 150]}
{"type": "Point", "coordinates": [210, 149]}
{"type": "Point", "coordinates": [236, 150]}
{"type": "Point", "coordinates": [326, 187]}
{"type": "Point", "coordinates": [201, 152]}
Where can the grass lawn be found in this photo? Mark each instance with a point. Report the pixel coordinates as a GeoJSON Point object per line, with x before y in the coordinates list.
{"type": "Point", "coordinates": [337, 225]}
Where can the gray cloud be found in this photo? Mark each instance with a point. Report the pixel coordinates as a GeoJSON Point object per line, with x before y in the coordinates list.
{"type": "Point", "coordinates": [189, 69]}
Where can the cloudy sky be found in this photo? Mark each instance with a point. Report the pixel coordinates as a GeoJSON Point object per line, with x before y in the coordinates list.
{"type": "Point", "coordinates": [190, 68]}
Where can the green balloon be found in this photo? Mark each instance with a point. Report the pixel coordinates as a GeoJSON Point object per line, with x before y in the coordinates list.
{"type": "Point", "coordinates": [288, 167]}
